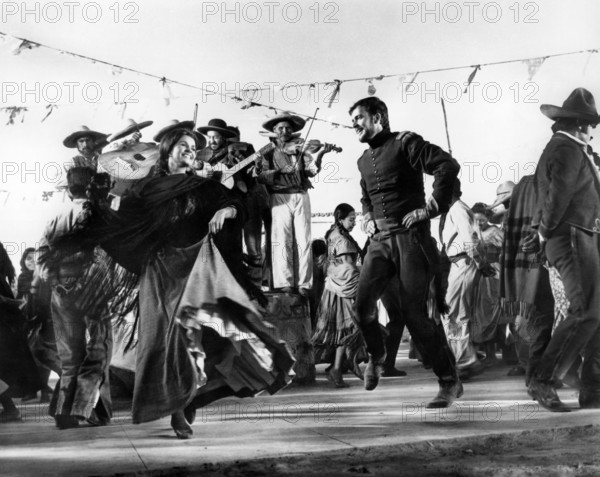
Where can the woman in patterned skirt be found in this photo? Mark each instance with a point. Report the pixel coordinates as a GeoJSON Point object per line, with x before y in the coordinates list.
{"type": "Point", "coordinates": [337, 335]}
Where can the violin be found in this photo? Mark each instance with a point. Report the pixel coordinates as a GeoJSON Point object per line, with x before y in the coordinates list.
{"type": "Point", "coordinates": [312, 146]}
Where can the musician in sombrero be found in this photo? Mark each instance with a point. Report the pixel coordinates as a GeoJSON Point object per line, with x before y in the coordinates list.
{"type": "Point", "coordinates": [224, 147]}
{"type": "Point", "coordinates": [286, 172]}
{"type": "Point", "coordinates": [87, 142]}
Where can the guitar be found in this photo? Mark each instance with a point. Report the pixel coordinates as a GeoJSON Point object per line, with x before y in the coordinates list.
{"type": "Point", "coordinates": [224, 174]}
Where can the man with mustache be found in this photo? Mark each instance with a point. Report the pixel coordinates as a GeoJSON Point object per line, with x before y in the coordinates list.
{"type": "Point", "coordinates": [286, 174]}
{"type": "Point", "coordinates": [87, 143]}
{"type": "Point", "coordinates": [396, 216]}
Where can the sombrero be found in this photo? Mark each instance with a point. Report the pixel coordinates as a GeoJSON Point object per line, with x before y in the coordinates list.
{"type": "Point", "coordinates": [296, 122]}
{"type": "Point", "coordinates": [503, 193]}
{"type": "Point", "coordinates": [130, 128]}
{"type": "Point", "coordinates": [71, 140]}
{"type": "Point", "coordinates": [217, 125]}
{"type": "Point", "coordinates": [173, 124]}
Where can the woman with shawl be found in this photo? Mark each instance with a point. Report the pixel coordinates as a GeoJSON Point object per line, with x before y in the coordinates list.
{"type": "Point", "coordinates": [200, 337]}
{"type": "Point", "coordinates": [337, 335]}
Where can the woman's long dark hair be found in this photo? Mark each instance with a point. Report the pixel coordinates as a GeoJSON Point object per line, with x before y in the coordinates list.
{"type": "Point", "coordinates": [166, 145]}
{"type": "Point", "coordinates": [342, 211]}
{"type": "Point", "coordinates": [27, 251]}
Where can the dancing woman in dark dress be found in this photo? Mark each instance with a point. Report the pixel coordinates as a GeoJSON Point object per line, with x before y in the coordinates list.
{"type": "Point", "coordinates": [200, 336]}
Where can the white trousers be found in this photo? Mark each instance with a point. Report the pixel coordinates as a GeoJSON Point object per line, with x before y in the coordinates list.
{"type": "Point", "coordinates": [291, 240]}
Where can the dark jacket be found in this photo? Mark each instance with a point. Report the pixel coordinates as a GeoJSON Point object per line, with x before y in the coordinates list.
{"type": "Point", "coordinates": [568, 188]}
{"type": "Point", "coordinates": [392, 176]}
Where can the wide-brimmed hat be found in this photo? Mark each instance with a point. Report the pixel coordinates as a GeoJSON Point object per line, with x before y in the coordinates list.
{"type": "Point", "coordinates": [175, 124]}
{"type": "Point", "coordinates": [579, 105]}
{"type": "Point", "coordinates": [71, 140]}
{"type": "Point", "coordinates": [296, 122]}
{"type": "Point", "coordinates": [130, 127]}
{"type": "Point", "coordinates": [503, 193]}
{"type": "Point", "coordinates": [131, 163]}
{"type": "Point", "coordinates": [218, 125]}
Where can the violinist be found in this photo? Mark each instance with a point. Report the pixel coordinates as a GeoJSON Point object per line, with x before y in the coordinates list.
{"type": "Point", "coordinates": [286, 171]}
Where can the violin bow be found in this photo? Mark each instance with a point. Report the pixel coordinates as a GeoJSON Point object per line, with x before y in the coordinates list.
{"type": "Point", "coordinates": [312, 121]}
{"type": "Point", "coordinates": [195, 115]}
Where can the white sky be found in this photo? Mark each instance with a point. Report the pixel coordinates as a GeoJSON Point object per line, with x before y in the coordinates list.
{"type": "Point", "coordinates": [500, 139]}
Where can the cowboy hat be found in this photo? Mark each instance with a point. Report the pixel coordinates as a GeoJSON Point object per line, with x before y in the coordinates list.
{"type": "Point", "coordinates": [131, 163]}
{"type": "Point", "coordinates": [174, 124]}
{"type": "Point", "coordinates": [217, 125]}
{"type": "Point", "coordinates": [579, 105]}
{"type": "Point", "coordinates": [296, 122]}
{"type": "Point", "coordinates": [503, 193]}
{"type": "Point", "coordinates": [71, 140]}
{"type": "Point", "coordinates": [130, 128]}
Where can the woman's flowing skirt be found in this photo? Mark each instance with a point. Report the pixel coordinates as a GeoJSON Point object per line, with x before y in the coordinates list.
{"type": "Point", "coordinates": [200, 338]}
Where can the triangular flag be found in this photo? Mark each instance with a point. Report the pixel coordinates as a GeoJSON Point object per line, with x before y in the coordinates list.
{"type": "Point", "coordinates": [587, 61]}
{"type": "Point", "coordinates": [336, 91]}
{"type": "Point", "coordinates": [49, 108]}
{"type": "Point", "coordinates": [371, 88]}
{"type": "Point", "coordinates": [25, 45]}
{"type": "Point", "coordinates": [411, 81]}
{"type": "Point", "coordinates": [533, 65]}
{"type": "Point", "coordinates": [166, 91]}
{"type": "Point", "coordinates": [471, 77]}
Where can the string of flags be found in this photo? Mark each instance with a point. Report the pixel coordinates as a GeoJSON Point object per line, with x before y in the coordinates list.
{"type": "Point", "coordinates": [405, 80]}
{"type": "Point", "coordinates": [167, 94]}
{"type": "Point", "coordinates": [533, 65]}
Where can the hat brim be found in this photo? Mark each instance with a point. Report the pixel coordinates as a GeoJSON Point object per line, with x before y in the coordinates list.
{"type": "Point", "coordinates": [557, 112]}
{"type": "Point", "coordinates": [271, 134]}
{"type": "Point", "coordinates": [71, 140]}
{"type": "Point", "coordinates": [129, 130]}
{"type": "Point", "coordinates": [133, 163]}
{"type": "Point", "coordinates": [499, 200]}
{"type": "Point", "coordinates": [296, 121]}
{"type": "Point", "coordinates": [226, 133]}
{"type": "Point", "coordinates": [182, 125]}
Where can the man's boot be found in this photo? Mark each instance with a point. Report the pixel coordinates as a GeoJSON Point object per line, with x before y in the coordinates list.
{"type": "Point", "coordinates": [376, 349]}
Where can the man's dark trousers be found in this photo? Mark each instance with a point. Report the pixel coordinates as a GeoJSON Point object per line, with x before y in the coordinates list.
{"type": "Point", "coordinates": [401, 255]}
{"type": "Point", "coordinates": [576, 255]}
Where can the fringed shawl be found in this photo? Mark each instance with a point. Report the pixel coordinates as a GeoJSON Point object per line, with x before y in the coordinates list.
{"type": "Point", "coordinates": [520, 271]}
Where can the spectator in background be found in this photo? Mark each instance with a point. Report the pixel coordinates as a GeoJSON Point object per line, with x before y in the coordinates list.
{"type": "Point", "coordinates": [337, 334]}
{"type": "Point", "coordinates": [18, 372]}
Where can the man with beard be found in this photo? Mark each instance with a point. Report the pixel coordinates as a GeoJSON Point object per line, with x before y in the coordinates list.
{"type": "Point", "coordinates": [216, 151]}
{"type": "Point", "coordinates": [224, 146]}
{"type": "Point", "coordinates": [396, 216]}
{"type": "Point", "coordinates": [87, 143]}
{"type": "Point", "coordinates": [286, 171]}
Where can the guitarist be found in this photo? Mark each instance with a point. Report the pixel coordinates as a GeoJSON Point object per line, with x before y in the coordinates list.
{"type": "Point", "coordinates": [224, 148]}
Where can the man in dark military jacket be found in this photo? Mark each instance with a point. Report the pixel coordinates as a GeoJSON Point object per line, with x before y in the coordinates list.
{"type": "Point", "coordinates": [396, 216]}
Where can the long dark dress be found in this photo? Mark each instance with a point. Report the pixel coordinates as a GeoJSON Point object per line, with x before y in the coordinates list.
{"type": "Point", "coordinates": [17, 367]}
{"type": "Point", "coordinates": [200, 337]}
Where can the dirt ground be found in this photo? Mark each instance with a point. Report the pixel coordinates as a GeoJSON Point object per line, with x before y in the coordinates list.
{"type": "Point", "coordinates": [557, 452]}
